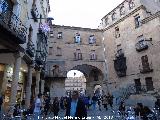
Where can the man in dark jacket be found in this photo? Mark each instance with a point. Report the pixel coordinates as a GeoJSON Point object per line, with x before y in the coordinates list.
{"type": "Point", "coordinates": [76, 107]}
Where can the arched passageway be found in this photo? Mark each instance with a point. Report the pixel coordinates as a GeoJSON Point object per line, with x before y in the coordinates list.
{"type": "Point", "coordinates": [93, 75]}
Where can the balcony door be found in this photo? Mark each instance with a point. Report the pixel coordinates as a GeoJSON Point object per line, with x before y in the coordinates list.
{"type": "Point", "coordinates": [145, 63]}
{"type": "Point", "coordinates": [149, 84]}
{"type": "Point", "coordinates": [137, 85]}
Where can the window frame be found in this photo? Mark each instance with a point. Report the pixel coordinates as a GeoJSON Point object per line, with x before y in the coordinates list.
{"type": "Point", "coordinates": [59, 35]}
{"type": "Point", "coordinates": [137, 20]}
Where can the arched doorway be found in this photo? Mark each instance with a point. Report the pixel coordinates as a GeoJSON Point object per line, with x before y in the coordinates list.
{"type": "Point", "coordinates": [93, 75]}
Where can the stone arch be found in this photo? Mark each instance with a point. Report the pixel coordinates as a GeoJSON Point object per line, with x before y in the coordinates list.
{"type": "Point", "coordinates": [94, 76]}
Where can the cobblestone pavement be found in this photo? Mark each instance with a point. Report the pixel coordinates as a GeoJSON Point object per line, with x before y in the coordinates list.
{"type": "Point", "coordinates": [91, 115]}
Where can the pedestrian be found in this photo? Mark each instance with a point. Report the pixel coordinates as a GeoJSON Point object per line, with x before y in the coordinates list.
{"type": "Point", "coordinates": [99, 103]}
{"type": "Point", "coordinates": [55, 106]}
{"type": "Point", "coordinates": [62, 103]}
{"type": "Point", "coordinates": [122, 109]}
{"type": "Point", "coordinates": [46, 104]}
{"type": "Point", "coordinates": [110, 100]}
{"type": "Point", "coordinates": [105, 102]}
{"type": "Point", "coordinates": [1, 102]}
{"type": "Point", "coordinates": [94, 101]}
{"type": "Point", "coordinates": [16, 111]}
{"type": "Point", "coordinates": [37, 107]}
{"type": "Point", "coordinates": [76, 107]}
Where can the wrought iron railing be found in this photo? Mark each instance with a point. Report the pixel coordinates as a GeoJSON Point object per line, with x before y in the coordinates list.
{"type": "Point", "coordinates": [59, 73]}
{"type": "Point", "coordinates": [12, 23]}
{"type": "Point", "coordinates": [141, 45]}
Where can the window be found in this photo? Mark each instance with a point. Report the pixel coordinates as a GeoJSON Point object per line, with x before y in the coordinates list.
{"type": "Point", "coordinates": [59, 35]}
{"type": "Point", "coordinates": [77, 38]}
{"type": "Point", "coordinates": [51, 34]}
{"type": "Point", "coordinates": [131, 4]}
{"type": "Point", "coordinates": [137, 85]}
{"type": "Point", "coordinates": [113, 16]}
{"type": "Point", "coordinates": [119, 50]}
{"type": "Point", "coordinates": [145, 63]}
{"type": "Point", "coordinates": [93, 55]}
{"type": "Point", "coordinates": [50, 50]}
{"type": "Point", "coordinates": [92, 39]}
{"type": "Point", "coordinates": [59, 51]}
{"type": "Point", "coordinates": [122, 10]}
{"type": "Point", "coordinates": [117, 34]}
{"type": "Point", "coordinates": [149, 84]}
{"type": "Point", "coordinates": [106, 21]}
{"type": "Point", "coordinates": [78, 54]}
{"type": "Point", "coordinates": [30, 33]}
{"type": "Point", "coordinates": [137, 21]}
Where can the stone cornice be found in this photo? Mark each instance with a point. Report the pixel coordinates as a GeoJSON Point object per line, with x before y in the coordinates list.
{"type": "Point", "coordinates": [123, 18]}
{"type": "Point", "coordinates": [76, 28]}
{"type": "Point", "coordinates": [120, 5]}
{"type": "Point", "coordinates": [147, 19]}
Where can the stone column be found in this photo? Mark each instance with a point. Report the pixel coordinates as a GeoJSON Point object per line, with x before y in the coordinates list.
{"type": "Point", "coordinates": [15, 79]}
{"type": "Point", "coordinates": [42, 86]}
{"type": "Point", "coordinates": [37, 82]}
{"type": "Point", "coordinates": [28, 86]}
{"type": "Point", "coordinates": [4, 79]}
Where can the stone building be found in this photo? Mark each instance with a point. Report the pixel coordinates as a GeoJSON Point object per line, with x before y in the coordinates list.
{"type": "Point", "coordinates": [75, 83]}
{"type": "Point", "coordinates": [74, 48]}
{"type": "Point", "coordinates": [23, 40]}
{"type": "Point", "coordinates": [131, 36]}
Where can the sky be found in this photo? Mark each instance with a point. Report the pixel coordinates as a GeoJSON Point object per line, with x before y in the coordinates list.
{"type": "Point", "coordinates": [74, 73]}
{"type": "Point", "coordinates": [81, 13]}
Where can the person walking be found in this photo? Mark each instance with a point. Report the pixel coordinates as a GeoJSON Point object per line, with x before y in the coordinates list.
{"type": "Point", "coordinates": [76, 107]}
{"type": "Point", "coordinates": [46, 104]}
{"type": "Point", "coordinates": [37, 107]}
{"type": "Point", "coordinates": [1, 102]}
{"type": "Point", "coordinates": [94, 101]}
{"type": "Point", "coordinates": [110, 100]}
{"type": "Point", "coordinates": [105, 102]}
{"type": "Point", "coordinates": [122, 109]}
{"type": "Point", "coordinates": [55, 106]}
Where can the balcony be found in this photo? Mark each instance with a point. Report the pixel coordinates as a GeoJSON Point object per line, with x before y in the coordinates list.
{"type": "Point", "coordinates": [56, 73]}
{"type": "Point", "coordinates": [12, 28]}
{"type": "Point", "coordinates": [145, 69]}
{"type": "Point", "coordinates": [141, 45]}
{"type": "Point", "coordinates": [34, 13]}
{"type": "Point", "coordinates": [39, 58]}
{"type": "Point", "coordinates": [30, 49]}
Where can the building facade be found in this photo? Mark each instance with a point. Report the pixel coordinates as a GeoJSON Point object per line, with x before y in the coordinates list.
{"type": "Point", "coordinates": [75, 83]}
{"type": "Point", "coordinates": [131, 37]}
{"type": "Point", "coordinates": [74, 48]}
{"type": "Point", "coordinates": [21, 40]}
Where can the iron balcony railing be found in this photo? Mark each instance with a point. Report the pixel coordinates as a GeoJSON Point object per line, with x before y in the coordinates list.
{"type": "Point", "coordinates": [54, 73]}
{"type": "Point", "coordinates": [141, 45]}
{"type": "Point", "coordinates": [13, 24]}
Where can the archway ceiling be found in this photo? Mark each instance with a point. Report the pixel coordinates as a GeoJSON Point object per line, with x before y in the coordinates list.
{"type": "Point", "coordinates": [85, 69]}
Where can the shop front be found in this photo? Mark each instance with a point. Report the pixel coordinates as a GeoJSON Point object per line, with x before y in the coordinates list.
{"type": "Point", "coordinates": [6, 74]}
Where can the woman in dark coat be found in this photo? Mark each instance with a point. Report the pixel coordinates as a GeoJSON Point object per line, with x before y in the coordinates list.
{"type": "Point", "coordinates": [55, 106]}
